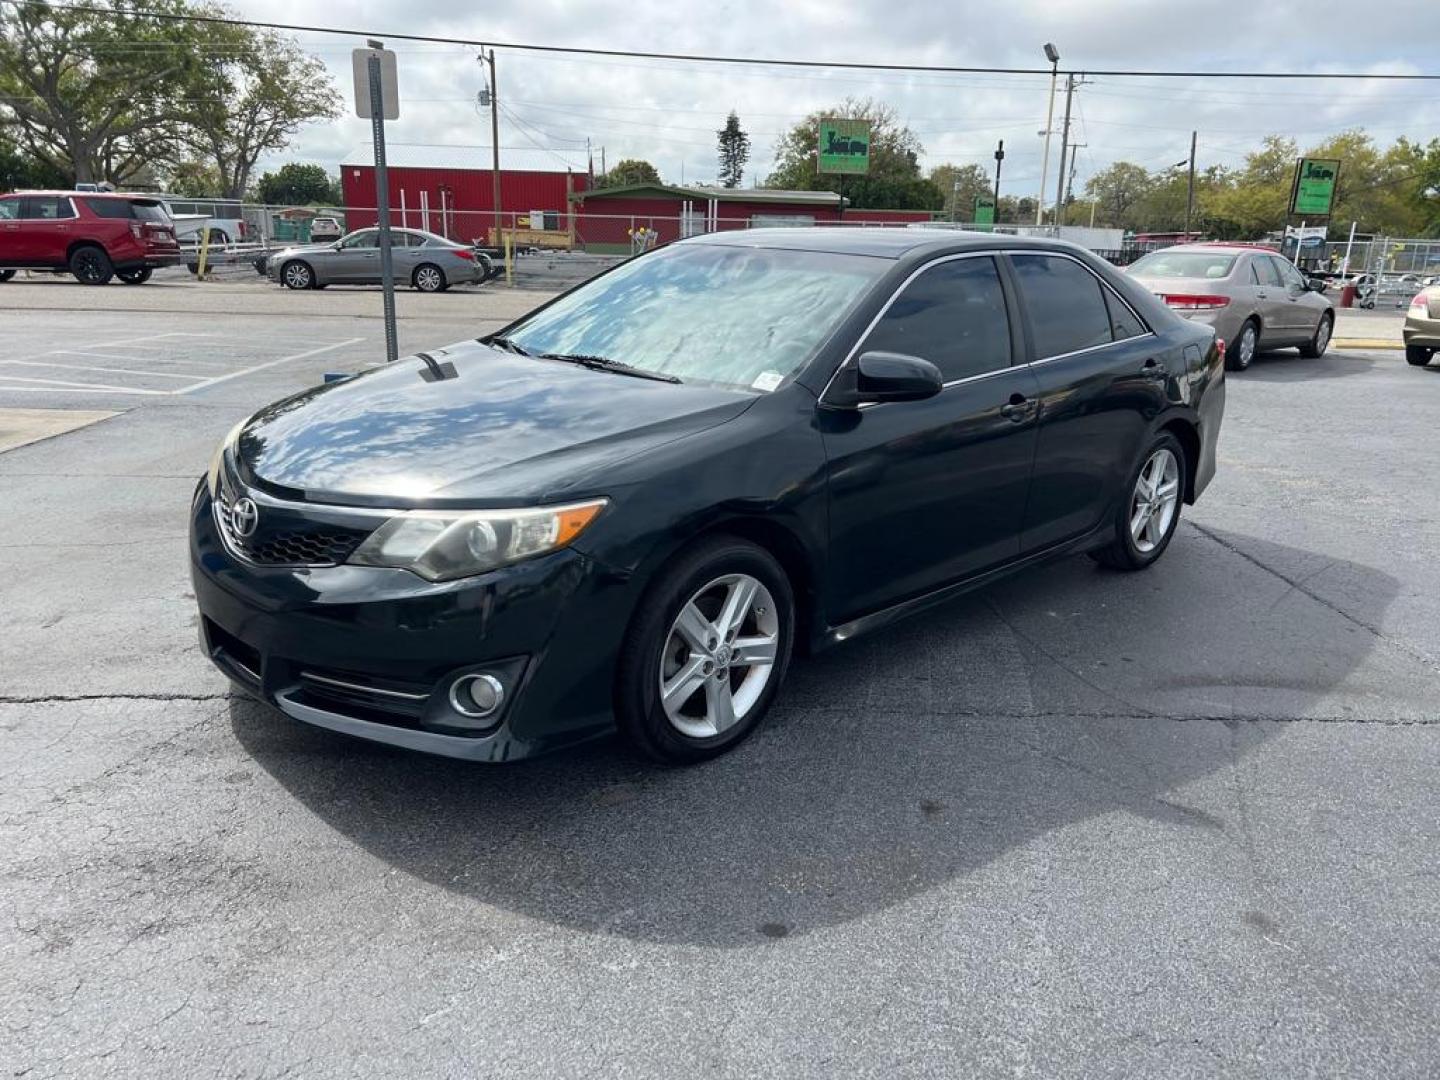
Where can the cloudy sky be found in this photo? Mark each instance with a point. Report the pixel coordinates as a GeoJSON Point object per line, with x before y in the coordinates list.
{"type": "Point", "coordinates": [667, 112]}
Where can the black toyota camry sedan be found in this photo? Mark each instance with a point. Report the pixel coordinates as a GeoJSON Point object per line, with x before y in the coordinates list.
{"type": "Point", "coordinates": [634, 506]}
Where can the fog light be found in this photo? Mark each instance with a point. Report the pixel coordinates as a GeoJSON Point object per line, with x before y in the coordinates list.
{"type": "Point", "coordinates": [477, 695]}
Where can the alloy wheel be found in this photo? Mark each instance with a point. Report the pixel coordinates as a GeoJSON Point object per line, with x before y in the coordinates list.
{"type": "Point", "coordinates": [1248, 340]}
{"type": "Point", "coordinates": [88, 267]}
{"type": "Point", "coordinates": [1322, 336]}
{"type": "Point", "coordinates": [1154, 501]}
{"type": "Point", "coordinates": [719, 655]}
{"type": "Point", "coordinates": [428, 279]}
{"type": "Point", "coordinates": [297, 276]}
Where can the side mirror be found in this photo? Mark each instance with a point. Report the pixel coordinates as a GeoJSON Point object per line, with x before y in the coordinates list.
{"type": "Point", "coordinates": [1315, 285]}
{"type": "Point", "coordinates": [885, 376]}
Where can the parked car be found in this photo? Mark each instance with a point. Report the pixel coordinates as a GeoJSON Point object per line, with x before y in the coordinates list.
{"type": "Point", "coordinates": [225, 218]}
{"type": "Point", "coordinates": [1422, 326]}
{"type": "Point", "coordinates": [325, 228]}
{"type": "Point", "coordinates": [424, 260]}
{"type": "Point", "coordinates": [93, 235]}
{"type": "Point", "coordinates": [632, 505]}
{"type": "Point", "coordinates": [1253, 298]}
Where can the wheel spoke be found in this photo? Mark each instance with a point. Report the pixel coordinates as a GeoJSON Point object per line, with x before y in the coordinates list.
{"type": "Point", "coordinates": [1137, 523]}
{"type": "Point", "coordinates": [1152, 529]}
{"type": "Point", "coordinates": [697, 630]}
{"type": "Point", "coordinates": [749, 651]}
{"type": "Point", "coordinates": [719, 704]}
{"type": "Point", "coordinates": [681, 687]}
{"type": "Point", "coordinates": [1167, 490]}
{"type": "Point", "coordinates": [737, 606]}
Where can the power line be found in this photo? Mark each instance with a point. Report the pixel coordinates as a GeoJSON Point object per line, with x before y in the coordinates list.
{"type": "Point", "coordinates": [699, 58]}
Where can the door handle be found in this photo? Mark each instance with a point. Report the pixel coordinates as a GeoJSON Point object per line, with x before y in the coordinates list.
{"type": "Point", "coordinates": [1018, 408]}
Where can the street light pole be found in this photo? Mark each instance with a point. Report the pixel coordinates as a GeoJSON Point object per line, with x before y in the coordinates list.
{"type": "Point", "coordinates": [1053, 55]}
{"type": "Point", "coordinates": [999, 159]}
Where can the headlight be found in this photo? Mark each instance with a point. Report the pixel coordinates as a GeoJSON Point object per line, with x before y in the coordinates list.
{"type": "Point", "coordinates": [217, 459]}
{"type": "Point", "coordinates": [441, 545]}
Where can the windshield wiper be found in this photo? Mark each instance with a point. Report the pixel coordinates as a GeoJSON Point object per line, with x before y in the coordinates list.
{"type": "Point", "coordinates": [508, 344]}
{"type": "Point", "coordinates": [604, 363]}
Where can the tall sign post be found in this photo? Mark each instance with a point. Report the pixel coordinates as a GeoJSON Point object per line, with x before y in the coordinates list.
{"type": "Point", "coordinates": [984, 212]}
{"type": "Point", "coordinates": [1312, 195]}
{"type": "Point", "coordinates": [377, 98]}
{"type": "Point", "coordinates": [844, 150]}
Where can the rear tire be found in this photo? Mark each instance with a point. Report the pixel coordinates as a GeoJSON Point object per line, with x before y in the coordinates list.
{"type": "Point", "coordinates": [1243, 349]}
{"type": "Point", "coordinates": [135, 277]}
{"type": "Point", "coordinates": [297, 275]}
{"type": "Point", "coordinates": [655, 643]}
{"type": "Point", "coordinates": [91, 266]}
{"type": "Point", "coordinates": [1316, 346]}
{"type": "Point", "coordinates": [1135, 548]}
{"type": "Point", "coordinates": [1418, 355]}
{"type": "Point", "coordinates": [6, 275]}
{"type": "Point", "coordinates": [429, 278]}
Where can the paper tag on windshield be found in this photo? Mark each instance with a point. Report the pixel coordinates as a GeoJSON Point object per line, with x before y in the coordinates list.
{"type": "Point", "coordinates": [767, 380]}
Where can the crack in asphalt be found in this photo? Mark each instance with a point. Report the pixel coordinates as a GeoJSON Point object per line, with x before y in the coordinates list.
{"type": "Point", "coordinates": [45, 699]}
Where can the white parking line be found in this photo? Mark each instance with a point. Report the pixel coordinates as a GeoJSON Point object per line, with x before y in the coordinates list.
{"type": "Point", "coordinates": [267, 364]}
{"type": "Point", "coordinates": [106, 370]}
{"type": "Point", "coordinates": [98, 387]}
{"type": "Point", "coordinates": [128, 359]}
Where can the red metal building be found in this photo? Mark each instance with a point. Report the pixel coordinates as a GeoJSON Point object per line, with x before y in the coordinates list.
{"type": "Point", "coordinates": [449, 189]}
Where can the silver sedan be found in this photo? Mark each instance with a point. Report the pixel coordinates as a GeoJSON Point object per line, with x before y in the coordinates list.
{"type": "Point", "coordinates": [423, 260]}
{"type": "Point", "coordinates": [1252, 297]}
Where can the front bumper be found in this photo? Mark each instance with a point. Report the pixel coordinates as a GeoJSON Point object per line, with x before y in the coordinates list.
{"type": "Point", "coordinates": [373, 652]}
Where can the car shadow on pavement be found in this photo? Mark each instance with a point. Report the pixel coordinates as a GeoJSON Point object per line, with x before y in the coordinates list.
{"type": "Point", "coordinates": [1288, 366]}
{"type": "Point", "coordinates": [890, 766]}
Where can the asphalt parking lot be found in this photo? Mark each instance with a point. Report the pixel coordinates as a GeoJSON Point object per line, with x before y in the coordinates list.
{"type": "Point", "coordinates": [1183, 823]}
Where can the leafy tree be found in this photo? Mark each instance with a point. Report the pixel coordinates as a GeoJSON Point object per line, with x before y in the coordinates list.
{"type": "Point", "coordinates": [297, 185]}
{"type": "Point", "coordinates": [20, 170]}
{"type": "Point", "coordinates": [1117, 192]}
{"type": "Point", "coordinates": [734, 151]}
{"type": "Point", "coordinates": [195, 179]}
{"type": "Point", "coordinates": [95, 95]}
{"type": "Point", "coordinates": [627, 172]}
{"type": "Point", "coordinates": [960, 185]}
{"type": "Point", "coordinates": [271, 90]}
{"type": "Point", "coordinates": [894, 180]}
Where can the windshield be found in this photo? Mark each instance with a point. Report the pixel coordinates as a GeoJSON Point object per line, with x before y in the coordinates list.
{"type": "Point", "coordinates": [1183, 264]}
{"type": "Point", "coordinates": [729, 316]}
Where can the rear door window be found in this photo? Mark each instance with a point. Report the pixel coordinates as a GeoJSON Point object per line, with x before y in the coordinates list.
{"type": "Point", "coordinates": [46, 208]}
{"type": "Point", "coordinates": [1269, 272]}
{"type": "Point", "coordinates": [953, 315]}
{"type": "Point", "coordinates": [1064, 303]}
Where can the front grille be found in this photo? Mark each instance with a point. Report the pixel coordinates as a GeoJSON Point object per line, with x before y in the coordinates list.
{"type": "Point", "coordinates": [284, 538]}
{"type": "Point", "coordinates": [370, 698]}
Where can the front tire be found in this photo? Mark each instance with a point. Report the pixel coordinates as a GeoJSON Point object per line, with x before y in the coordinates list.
{"type": "Point", "coordinates": [297, 275]}
{"type": "Point", "coordinates": [429, 278]}
{"type": "Point", "coordinates": [1418, 355]}
{"type": "Point", "coordinates": [91, 266]}
{"type": "Point", "coordinates": [1316, 346]}
{"type": "Point", "coordinates": [1242, 350]}
{"type": "Point", "coordinates": [706, 652]}
{"type": "Point", "coordinates": [1149, 514]}
{"type": "Point", "coordinates": [135, 277]}
{"type": "Point", "coordinates": [6, 275]}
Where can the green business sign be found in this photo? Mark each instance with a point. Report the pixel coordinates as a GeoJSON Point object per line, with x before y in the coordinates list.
{"type": "Point", "coordinates": [984, 210]}
{"type": "Point", "coordinates": [845, 146]}
{"type": "Point", "coordinates": [1315, 186]}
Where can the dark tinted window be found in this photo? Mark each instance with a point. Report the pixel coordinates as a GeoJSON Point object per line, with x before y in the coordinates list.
{"type": "Point", "coordinates": [1269, 272]}
{"type": "Point", "coordinates": [45, 208]}
{"type": "Point", "coordinates": [1064, 303]}
{"type": "Point", "coordinates": [109, 208]}
{"type": "Point", "coordinates": [953, 315]}
{"type": "Point", "coordinates": [150, 211]}
{"type": "Point", "coordinates": [1123, 322]}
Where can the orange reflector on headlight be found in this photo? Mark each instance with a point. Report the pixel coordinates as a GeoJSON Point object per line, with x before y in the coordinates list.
{"type": "Point", "coordinates": [573, 521]}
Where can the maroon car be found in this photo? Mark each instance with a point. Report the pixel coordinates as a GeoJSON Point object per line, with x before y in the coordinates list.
{"type": "Point", "coordinates": [93, 235]}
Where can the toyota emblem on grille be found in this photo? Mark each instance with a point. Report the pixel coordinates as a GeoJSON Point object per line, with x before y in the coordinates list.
{"type": "Point", "coordinates": [244, 516]}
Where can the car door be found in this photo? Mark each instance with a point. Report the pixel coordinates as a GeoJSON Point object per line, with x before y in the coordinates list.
{"type": "Point", "coordinates": [1302, 307]}
{"type": "Point", "coordinates": [48, 226]}
{"type": "Point", "coordinates": [356, 260]}
{"type": "Point", "coordinates": [922, 493]}
{"type": "Point", "coordinates": [13, 244]}
{"type": "Point", "coordinates": [1277, 312]}
{"type": "Point", "coordinates": [1100, 376]}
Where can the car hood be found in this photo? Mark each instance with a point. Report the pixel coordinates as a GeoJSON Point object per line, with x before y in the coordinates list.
{"type": "Point", "coordinates": [507, 428]}
{"type": "Point", "coordinates": [300, 249]}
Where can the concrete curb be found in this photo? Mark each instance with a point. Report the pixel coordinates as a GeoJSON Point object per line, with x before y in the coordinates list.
{"type": "Point", "coordinates": [1365, 343]}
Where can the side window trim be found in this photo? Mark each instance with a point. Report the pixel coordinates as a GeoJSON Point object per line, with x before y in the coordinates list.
{"type": "Point", "coordinates": [1016, 357]}
{"type": "Point", "coordinates": [1105, 290]}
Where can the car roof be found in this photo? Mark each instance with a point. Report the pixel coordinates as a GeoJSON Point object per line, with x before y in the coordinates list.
{"type": "Point", "coordinates": [85, 194]}
{"type": "Point", "coordinates": [879, 242]}
{"type": "Point", "coordinates": [404, 228]}
{"type": "Point", "coordinates": [1214, 246]}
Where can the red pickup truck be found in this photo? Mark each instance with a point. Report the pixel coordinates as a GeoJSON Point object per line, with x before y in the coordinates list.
{"type": "Point", "coordinates": [95, 236]}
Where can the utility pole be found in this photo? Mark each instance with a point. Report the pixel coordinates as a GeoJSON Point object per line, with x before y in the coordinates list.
{"type": "Point", "coordinates": [1053, 55]}
{"type": "Point", "coordinates": [1190, 192]}
{"type": "Point", "coordinates": [1064, 138]}
{"type": "Point", "coordinates": [999, 157]}
{"type": "Point", "coordinates": [1074, 165]}
{"type": "Point", "coordinates": [494, 147]}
